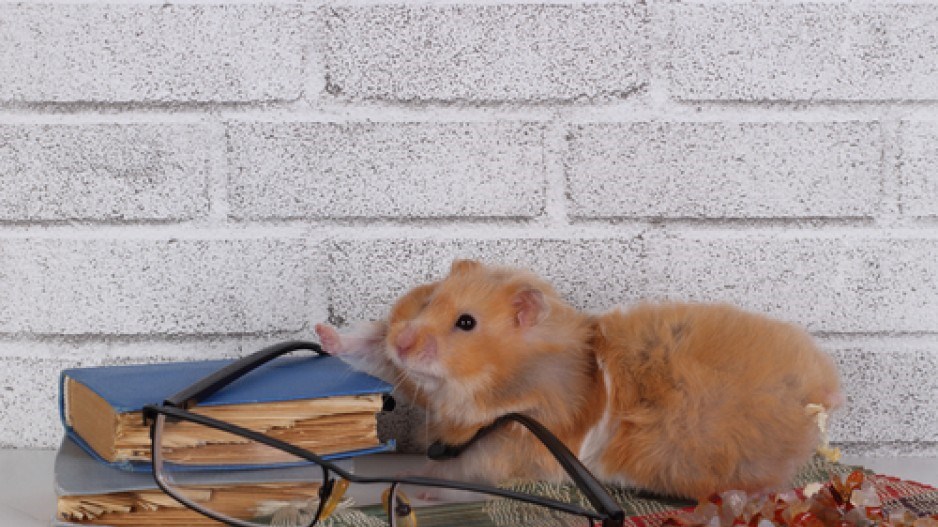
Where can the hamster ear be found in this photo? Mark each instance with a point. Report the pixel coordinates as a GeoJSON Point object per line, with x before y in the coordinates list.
{"type": "Point", "coordinates": [531, 307]}
{"type": "Point", "coordinates": [462, 266]}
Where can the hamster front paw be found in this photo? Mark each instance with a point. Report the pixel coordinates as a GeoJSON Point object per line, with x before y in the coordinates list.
{"type": "Point", "coordinates": [330, 339]}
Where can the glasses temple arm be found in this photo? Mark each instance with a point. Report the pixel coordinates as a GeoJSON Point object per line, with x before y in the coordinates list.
{"type": "Point", "coordinates": [581, 476]}
{"type": "Point", "coordinates": [225, 376]}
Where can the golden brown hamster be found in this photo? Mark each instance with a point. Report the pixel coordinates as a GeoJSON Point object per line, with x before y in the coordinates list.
{"type": "Point", "coordinates": [680, 399]}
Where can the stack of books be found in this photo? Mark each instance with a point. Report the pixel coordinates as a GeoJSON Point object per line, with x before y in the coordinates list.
{"type": "Point", "coordinates": [103, 474]}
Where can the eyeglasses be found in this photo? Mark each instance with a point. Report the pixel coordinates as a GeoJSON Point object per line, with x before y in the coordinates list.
{"type": "Point", "coordinates": [310, 490]}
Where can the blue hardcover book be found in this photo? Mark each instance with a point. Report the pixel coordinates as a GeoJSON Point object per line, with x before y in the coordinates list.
{"type": "Point", "coordinates": [315, 402]}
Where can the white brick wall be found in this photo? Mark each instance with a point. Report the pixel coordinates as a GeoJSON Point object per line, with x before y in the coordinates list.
{"type": "Point", "coordinates": [113, 53]}
{"type": "Point", "coordinates": [837, 51]}
{"type": "Point", "coordinates": [724, 170]}
{"type": "Point", "coordinates": [144, 287]}
{"type": "Point", "coordinates": [918, 159]}
{"type": "Point", "coordinates": [197, 180]}
{"type": "Point", "coordinates": [146, 171]}
{"type": "Point", "coordinates": [385, 170]}
{"type": "Point", "coordinates": [476, 53]}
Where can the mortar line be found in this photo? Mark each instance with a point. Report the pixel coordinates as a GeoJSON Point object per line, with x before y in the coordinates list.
{"type": "Point", "coordinates": [648, 108]}
{"type": "Point", "coordinates": [719, 229]}
{"type": "Point", "coordinates": [557, 198]}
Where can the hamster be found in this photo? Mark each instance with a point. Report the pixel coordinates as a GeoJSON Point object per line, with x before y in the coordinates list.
{"type": "Point", "coordinates": [679, 399]}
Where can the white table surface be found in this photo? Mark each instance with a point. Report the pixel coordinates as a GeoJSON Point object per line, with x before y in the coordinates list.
{"type": "Point", "coordinates": [27, 498]}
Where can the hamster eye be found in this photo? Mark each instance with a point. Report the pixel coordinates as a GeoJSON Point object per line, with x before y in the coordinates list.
{"type": "Point", "coordinates": [465, 322]}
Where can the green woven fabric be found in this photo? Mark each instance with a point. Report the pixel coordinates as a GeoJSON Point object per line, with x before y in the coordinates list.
{"type": "Point", "coordinates": [642, 508]}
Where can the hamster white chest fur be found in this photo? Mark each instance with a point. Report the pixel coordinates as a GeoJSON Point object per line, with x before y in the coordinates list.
{"type": "Point", "coordinates": [681, 399]}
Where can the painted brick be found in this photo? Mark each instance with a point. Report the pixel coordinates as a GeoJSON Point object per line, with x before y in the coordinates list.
{"type": "Point", "coordinates": [29, 407]}
{"type": "Point", "coordinates": [321, 170]}
{"type": "Point", "coordinates": [719, 169]}
{"type": "Point", "coordinates": [890, 396]}
{"type": "Point", "coordinates": [811, 51]}
{"type": "Point", "coordinates": [152, 53]}
{"type": "Point", "coordinates": [845, 284]}
{"type": "Point", "coordinates": [134, 348]}
{"type": "Point", "coordinates": [54, 286]}
{"type": "Point", "coordinates": [918, 162]}
{"type": "Point", "coordinates": [486, 52]}
{"type": "Point", "coordinates": [106, 171]}
{"type": "Point", "coordinates": [367, 276]}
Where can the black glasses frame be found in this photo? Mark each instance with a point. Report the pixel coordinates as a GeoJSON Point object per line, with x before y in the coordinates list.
{"type": "Point", "coordinates": [606, 509]}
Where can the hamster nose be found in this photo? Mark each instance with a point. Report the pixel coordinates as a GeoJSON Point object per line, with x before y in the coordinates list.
{"type": "Point", "coordinates": [405, 341]}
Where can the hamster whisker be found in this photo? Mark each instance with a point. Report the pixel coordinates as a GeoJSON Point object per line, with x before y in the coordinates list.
{"type": "Point", "coordinates": [400, 379]}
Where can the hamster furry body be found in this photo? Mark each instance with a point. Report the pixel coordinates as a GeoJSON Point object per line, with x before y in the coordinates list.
{"type": "Point", "coordinates": [679, 399]}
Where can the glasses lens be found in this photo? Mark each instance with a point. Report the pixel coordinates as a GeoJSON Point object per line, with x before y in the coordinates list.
{"type": "Point", "coordinates": [416, 506]}
{"type": "Point", "coordinates": [287, 495]}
